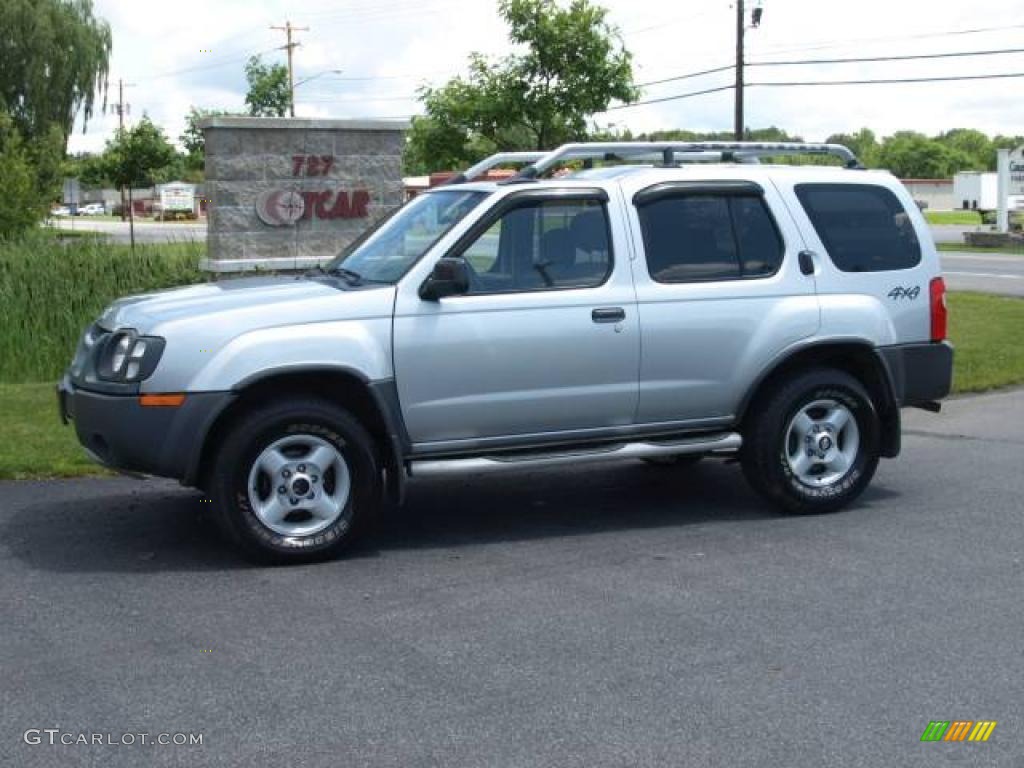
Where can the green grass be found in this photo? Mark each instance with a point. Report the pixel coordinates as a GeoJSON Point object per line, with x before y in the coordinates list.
{"type": "Point", "coordinates": [1013, 250]}
{"type": "Point", "coordinates": [960, 218]}
{"type": "Point", "coordinates": [33, 442]}
{"type": "Point", "coordinates": [986, 332]}
{"type": "Point", "coordinates": [51, 289]}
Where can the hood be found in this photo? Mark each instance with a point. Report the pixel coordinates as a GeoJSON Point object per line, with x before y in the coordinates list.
{"type": "Point", "coordinates": [248, 304]}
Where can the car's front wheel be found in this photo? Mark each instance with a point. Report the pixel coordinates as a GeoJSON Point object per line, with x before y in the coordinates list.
{"type": "Point", "coordinates": [812, 443]}
{"type": "Point", "coordinates": [295, 481]}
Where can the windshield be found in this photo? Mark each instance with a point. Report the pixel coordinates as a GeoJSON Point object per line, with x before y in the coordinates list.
{"type": "Point", "coordinates": [387, 251]}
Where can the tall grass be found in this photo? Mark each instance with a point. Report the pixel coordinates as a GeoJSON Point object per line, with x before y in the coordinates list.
{"type": "Point", "coordinates": [51, 290]}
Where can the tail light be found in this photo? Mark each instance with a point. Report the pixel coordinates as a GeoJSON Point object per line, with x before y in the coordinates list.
{"type": "Point", "coordinates": [937, 303]}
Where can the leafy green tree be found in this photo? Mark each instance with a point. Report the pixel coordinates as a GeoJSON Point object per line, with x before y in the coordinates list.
{"type": "Point", "coordinates": [974, 144]}
{"type": "Point", "coordinates": [194, 141]}
{"type": "Point", "coordinates": [23, 205]}
{"type": "Point", "coordinates": [268, 94]}
{"type": "Point", "coordinates": [54, 57]}
{"type": "Point", "coordinates": [138, 155]}
{"type": "Point", "coordinates": [864, 144]}
{"type": "Point", "coordinates": [912, 155]}
{"type": "Point", "coordinates": [89, 169]}
{"type": "Point", "coordinates": [569, 64]}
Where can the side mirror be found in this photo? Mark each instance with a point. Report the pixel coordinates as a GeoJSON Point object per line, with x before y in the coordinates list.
{"type": "Point", "coordinates": [449, 278]}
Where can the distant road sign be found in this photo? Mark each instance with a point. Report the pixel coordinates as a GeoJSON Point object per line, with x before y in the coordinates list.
{"type": "Point", "coordinates": [1017, 171]}
{"type": "Point", "coordinates": [72, 192]}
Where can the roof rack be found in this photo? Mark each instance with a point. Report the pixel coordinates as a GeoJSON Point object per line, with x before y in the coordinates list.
{"type": "Point", "coordinates": [736, 151]}
{"type": "Point", "coordinates": [501, 158]}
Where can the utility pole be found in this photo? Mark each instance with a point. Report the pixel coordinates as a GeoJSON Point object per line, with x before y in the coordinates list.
{"type": "Point", "coordinates": [122, 109]}
{"type": "Point", "coordinates": [290, 46]}
{"type": "Point", "coordinates": [740, 23]}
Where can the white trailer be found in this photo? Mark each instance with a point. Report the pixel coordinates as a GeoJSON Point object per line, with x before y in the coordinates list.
{"type": "Point", "coordinates": [975, 190]}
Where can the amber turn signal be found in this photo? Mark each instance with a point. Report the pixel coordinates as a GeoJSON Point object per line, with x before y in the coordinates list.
{"type": "Point", "coordinates": [161, 401]}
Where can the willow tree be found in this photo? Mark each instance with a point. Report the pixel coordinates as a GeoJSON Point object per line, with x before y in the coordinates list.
{"type": "Point", "coordinates": [54, 59]}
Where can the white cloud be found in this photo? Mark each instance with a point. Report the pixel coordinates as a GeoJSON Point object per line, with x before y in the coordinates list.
{"type": "Point", "coordinates": [406, 42]}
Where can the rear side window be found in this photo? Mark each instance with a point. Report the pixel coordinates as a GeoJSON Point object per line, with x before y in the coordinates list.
{"type": "Point", "coordinates": [696, 237]}
{"type": "Point", "coordinates": [864, 227]}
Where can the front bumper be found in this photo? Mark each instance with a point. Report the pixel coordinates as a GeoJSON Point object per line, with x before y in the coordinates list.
{"type": "Point", "coordinates": [120, 433]}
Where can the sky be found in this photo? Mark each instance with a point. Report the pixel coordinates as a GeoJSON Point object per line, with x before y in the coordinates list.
{"type": "Point", "coordinates": [385, 49]}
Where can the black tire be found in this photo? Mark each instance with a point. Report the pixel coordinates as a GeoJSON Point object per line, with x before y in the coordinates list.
{"type": "Point", "coordinates": [259, 429]}
{"type": "Point", "coordinates": [765, 440]}
{"type": "Point", "coordinates": [677, 461]}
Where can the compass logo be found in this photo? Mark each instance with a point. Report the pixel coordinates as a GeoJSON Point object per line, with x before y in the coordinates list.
{"type": "Point", "coordinates": [280, 207]}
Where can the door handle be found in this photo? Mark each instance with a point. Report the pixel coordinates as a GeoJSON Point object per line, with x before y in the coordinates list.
{"type": "Point", "coordinates": [608, 315]}
{"type": "Point", "coordinates": [806, 262]}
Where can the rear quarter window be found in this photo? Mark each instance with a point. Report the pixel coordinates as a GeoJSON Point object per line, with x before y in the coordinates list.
{"type": "Point", "coordinates": [864, 227]}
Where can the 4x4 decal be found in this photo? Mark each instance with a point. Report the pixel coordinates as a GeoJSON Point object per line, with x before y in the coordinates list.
{"type": "Point", "coordinates": [899, 292]}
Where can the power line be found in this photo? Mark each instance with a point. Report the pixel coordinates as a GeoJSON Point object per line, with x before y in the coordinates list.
{"type": "Point", "coordinates": [850, 60]}
{"type": "Point", "coordinates": [354, 99]}
{"type": "Point", "coordinates": [674, 98]}
{"type": "Point", "coordinates": [887, 38]}
{"type": "Point", "coordinates": [687, 76]}
{"type": "Point", "coordinates": [837, 44]}
{"type": "Point", "coordinates": [210, 65]}
{"type": "Point", "coordinates": [885, 81]}
{"type": "Point", "coordinates": [667, 23]}
{"type": "Point", "coordinates": [885, 58]}
{"type": "Point", "coordinates": [888, 81]}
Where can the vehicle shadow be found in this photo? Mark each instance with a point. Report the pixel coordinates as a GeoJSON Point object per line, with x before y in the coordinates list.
{"type": "Point", "coordinates": [170, 529]}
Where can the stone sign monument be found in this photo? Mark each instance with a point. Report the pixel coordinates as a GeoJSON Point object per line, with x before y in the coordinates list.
{"type": "Point", "coordinates": [289, 193]}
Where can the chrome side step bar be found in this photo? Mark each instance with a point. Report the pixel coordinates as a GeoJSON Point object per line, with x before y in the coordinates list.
{"type": "Point", "coordinates": [718, 443]}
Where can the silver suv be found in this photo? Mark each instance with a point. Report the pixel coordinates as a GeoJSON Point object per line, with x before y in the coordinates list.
{"type": "Point", "coordinates": [682, 301]}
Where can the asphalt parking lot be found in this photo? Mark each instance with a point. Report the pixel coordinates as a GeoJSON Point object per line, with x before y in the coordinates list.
{"type": "Point", "coordinates": [609, 615]}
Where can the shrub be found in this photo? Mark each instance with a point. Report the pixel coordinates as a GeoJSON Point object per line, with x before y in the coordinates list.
{"type": "Point", "coordinates": [23, 204]}
{"type": "Point", "coordinates": [50, 290]}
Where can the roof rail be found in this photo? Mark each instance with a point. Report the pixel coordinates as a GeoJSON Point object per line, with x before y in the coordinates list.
{"type": "Point", "coordinates": [501, 158]}
{"type": "Point", "coordinates": [729, 150]}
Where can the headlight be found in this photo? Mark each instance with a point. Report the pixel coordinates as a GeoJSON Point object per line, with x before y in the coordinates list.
{"type": "Point", "coordinates": [129, 357]}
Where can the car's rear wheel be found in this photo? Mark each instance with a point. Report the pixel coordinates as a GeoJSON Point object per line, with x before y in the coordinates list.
{"type": "Point", "coordinates": [295, 481]}
{"type": "Point", "coordinates": [812, 443]}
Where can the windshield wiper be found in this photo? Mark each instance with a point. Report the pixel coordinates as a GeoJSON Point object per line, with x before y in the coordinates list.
{"type": "Point", "coordinates": [351, 276]}
{"type": "Point", "coordinates": [314, 271]}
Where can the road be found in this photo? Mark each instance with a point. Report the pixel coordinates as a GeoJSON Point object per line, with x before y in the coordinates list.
{"type": "Point", "coordinates": [146, 231]}
{"type": "Point", "coordinates": [603, 616]}
{"type": "Point", "coordinates": [991, 273]}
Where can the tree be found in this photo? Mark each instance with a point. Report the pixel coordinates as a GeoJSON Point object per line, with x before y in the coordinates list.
{"type": "Point", "coordinates": [974, 144]}
{"type": "Point", "coordinates": [136, 156]}
{"type": "Point", "coordinates": [194, 140]}
{"type": "Point", "coordinates": [912, 155]}
{"type": "Point", "coordinates": [863, 144]}
{"type": "Point", "coordinates": [54, 60]}
{"type": "Point", "coordinates": [89, 169]}
{"type": "Point", "coordinates": [22, 205]}
{"type": "Point", "coordinates": [268, 95]}
{"type": "Point", "coordinates": [570, 65]}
